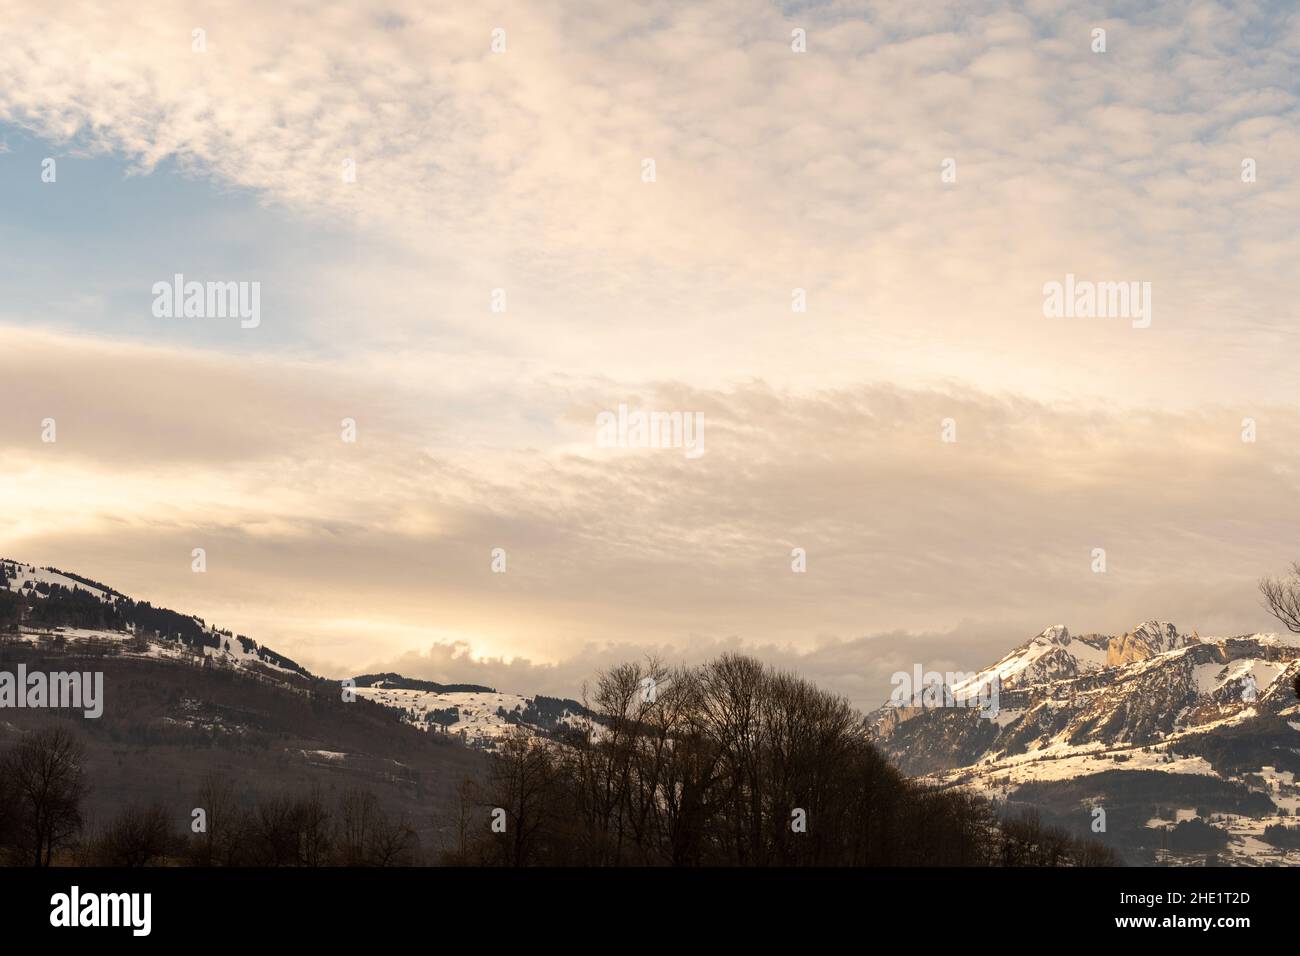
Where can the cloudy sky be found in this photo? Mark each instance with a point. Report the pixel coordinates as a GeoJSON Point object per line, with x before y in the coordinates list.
{"type": "Point", "coordinates": [920, 171]}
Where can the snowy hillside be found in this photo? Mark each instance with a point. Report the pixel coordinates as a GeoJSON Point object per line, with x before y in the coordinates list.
{"type": "Point", "coordinates": [27, 579]}
{"type": "Point", "coordinates": [475, 716]}
{"type": "Point", "coordinates": [1114, 710]}
{"type": "Point", "coordinates": [122, 625]}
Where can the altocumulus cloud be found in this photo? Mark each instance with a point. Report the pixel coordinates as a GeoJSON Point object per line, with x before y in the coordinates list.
{"type": "Point", "coordinates": [776, 171]}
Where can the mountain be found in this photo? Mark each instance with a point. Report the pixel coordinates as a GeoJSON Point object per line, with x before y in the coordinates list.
{"type": "Point", "coordinates": [184, 699]}
{"type": "Point", "coordinates": [1176, 737]}
{"type": "Point", "coordinates": [50, 606]}
{"type": "Point", "coordinates": [1188, 745]}
{"type": "Point", "coordinates": [53, 603]}
{"type": "Point", "coordinates": [476, 716]}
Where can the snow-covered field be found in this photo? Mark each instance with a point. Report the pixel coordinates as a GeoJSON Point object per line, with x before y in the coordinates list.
{"type": "Point", "coordinates": [481, 718]}
{"type": "Point", "coordinates": [479, 713]}
{"type": "Point", "coordinates": [28, 576]}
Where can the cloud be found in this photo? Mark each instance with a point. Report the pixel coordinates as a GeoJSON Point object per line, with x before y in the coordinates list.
{"type": "Point", "coordinates": [775, 171]}
{"type": "Point", "coordinates": [342, 554]}
{"type": "Point", "coordinates": [858, 669]}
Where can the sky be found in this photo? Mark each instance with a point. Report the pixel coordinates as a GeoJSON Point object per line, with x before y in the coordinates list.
{"type": "Point", "coordinates": [824, 230]}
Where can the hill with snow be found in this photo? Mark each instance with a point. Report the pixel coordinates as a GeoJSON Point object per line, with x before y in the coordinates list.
{"type": "Point", "coordinates": [1190, 745]}
{"type": "Point", "coordinates": [1183, 732]}
{"type": "Point", "coordinates": [57, 607]}
{"type": "Point", "coordinates": [183, 700]}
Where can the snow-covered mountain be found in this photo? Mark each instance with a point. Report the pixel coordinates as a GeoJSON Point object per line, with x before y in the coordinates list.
{"type": "Point", "coordinates": [183, 700]}
{"type": "Point", "coordinates": [1190, 745]}
{"type": "Point", "coordinates": [1055, 654]}
{"type": "Point", "coordinates": [1094, 716]}
{"type": "Point", "coordinates": [63, 607]}
{"type": "Point", "coordinates": [477, 716]}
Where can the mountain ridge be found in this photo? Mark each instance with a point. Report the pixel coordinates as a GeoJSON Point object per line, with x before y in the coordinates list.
{"type": "Point", "coordinates": [67, 606]}
{"type": "Point", "coordinates": [1153, 699]}
{"type": "Point", "coordinates": [1159, 727]}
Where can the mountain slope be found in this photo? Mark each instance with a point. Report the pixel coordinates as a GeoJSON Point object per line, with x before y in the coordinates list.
{"type": "Point", "coordinates": [59, 607]}
{"type": "Point", "coordinates": [183, 700]}
{"type": "Point", "coordinates": [1150, 701]}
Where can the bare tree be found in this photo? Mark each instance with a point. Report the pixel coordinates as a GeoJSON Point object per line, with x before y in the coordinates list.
{"type": "Point", "coordinates": [222, 842]}
{"type": "Point", "coordinates": [358, 822]}
{"type": "Point", "coordinates": [523, 779]}
{"type": "Point", "coordinates": [458, 820]}
{"type": "Point", "coordinates": [8, 810]}
{"type": "Point", "coordinates": [368, 837]}
{"type": "Point", "coordinates": [395, 843]}
{"type": "Point", "coordinates": [315, 842]}
{"type": "Point", "coordinates": [45, 770]}
{"type": "Point", "coordinates": [732, 763]}
{"type": "Point", "coordinates": [139, 836]}
{"type": "Point", "coordinates": [1282, 597]}
{"type": "Point", "coordinates": [279, 830]}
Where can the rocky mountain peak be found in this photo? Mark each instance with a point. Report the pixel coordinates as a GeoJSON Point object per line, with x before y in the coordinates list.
{"type": "Point", "coordinates": [1056, 634]}
{"type": "Point", "coordinates": [1146, 640]}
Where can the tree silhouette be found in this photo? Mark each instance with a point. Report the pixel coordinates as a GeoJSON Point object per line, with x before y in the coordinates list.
{"type": "Point", "coordinates": [46, 775]}
{"type": "Point", "coordinates": [1282, 597]}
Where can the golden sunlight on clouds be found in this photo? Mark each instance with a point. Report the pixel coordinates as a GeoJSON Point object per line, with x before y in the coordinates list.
{"type": "Point", "coordinates": [799, 272]}
{"type": "Point", "coordinates": [653, 549]}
